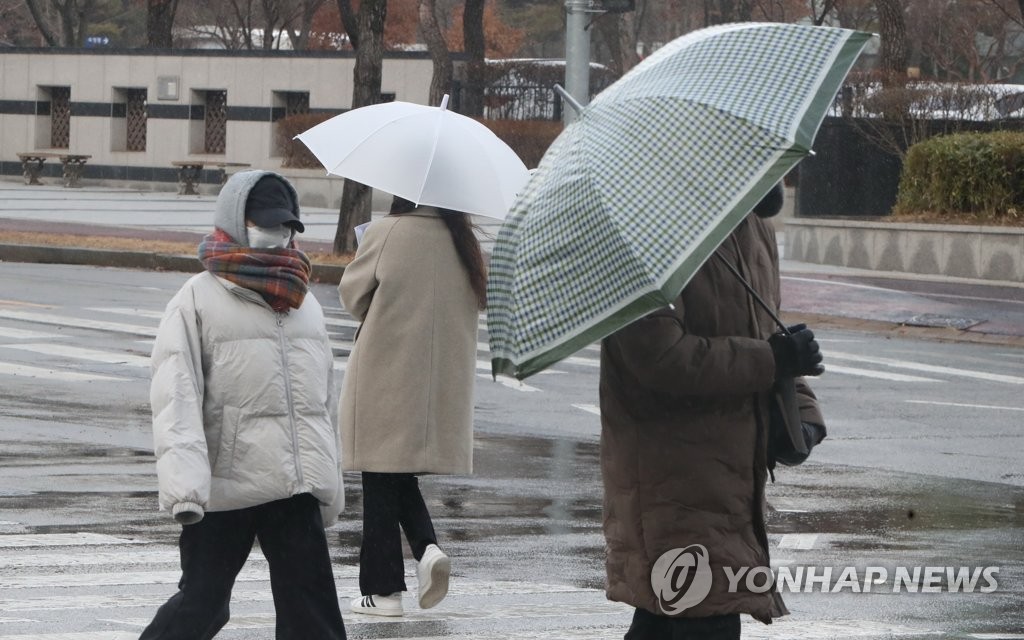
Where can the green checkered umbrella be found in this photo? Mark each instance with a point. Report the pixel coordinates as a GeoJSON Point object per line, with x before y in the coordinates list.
{"type": "Point", "coordinates": [633, 197]}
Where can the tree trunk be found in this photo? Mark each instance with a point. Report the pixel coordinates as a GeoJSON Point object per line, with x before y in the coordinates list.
{"type": "Point", "coordinates": [356, 198]}
{"type": "Point", "coordinates": [44, 27]}
{"type": "Point", "coordinates": [441, 81]}
{"type": "Point", "coordinates": [893, 31]}
{"type": "Point", "coordinates": [476, 68]}
{"type": "Point", "coordinates": [350, 22]}
{"type": "Point", "coordinates": [160, 23]}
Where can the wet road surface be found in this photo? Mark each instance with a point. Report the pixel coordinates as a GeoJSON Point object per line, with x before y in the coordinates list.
{"type": "Point", "coordinates": [84, 555]}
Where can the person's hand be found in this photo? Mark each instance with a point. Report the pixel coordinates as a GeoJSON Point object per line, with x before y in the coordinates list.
{"type": "Point", "coordinates": [813, 435]}
{"type": "Point", "coordinates": [796, 354]}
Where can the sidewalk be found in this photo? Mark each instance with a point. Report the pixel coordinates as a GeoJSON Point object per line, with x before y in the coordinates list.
{"type": "Point", "coordinates": [941, 308]}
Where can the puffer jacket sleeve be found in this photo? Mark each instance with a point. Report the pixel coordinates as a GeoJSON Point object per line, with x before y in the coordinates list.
{"type": "Point", "coordinates": [359, 280]}
{"type": "Point", "coordinates": [810, 411]}
{"type": "Point", "coordinates": [330, 512]}
{"type": "Point", "coordinates": [660, 355]}
{"type": "Point", "coordinates": [176, 398]}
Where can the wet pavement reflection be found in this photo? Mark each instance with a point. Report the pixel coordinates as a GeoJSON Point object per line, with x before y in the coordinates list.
{"type": "Point", "coordinates": [525, 536]}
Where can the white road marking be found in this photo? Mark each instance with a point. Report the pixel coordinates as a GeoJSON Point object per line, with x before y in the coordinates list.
{"type": "Point", "coordinates": [81, 323]}
{"type": "Point", "coordinates": [342, 322]}
{"type": "Point", "coordinates": [589, 408]}
{"type": "Point", "coordinates": [90, 635]}
{"type": "Point", "coordinates": [584, 362]}
{"type": "Point", "coordinates": [836, 283]}
{"type": "Point", "coordinates": [802, 541]}
{"type": "Point", "coordinates": [927, 368]}
{"type": "Point", "coordinates": [20, 560]}
{"type": "Point", "coordinates": [504, 381]}
{"type": "Point", "coordinates": [125, 311]}
{"type": "Point", "coordinates": [870, 373]}
{"type": "Point", "coordinates": [79, 353]}
{"type": "Point", "coordinates": [997, 636]}
{"type": "Point", "coordinates": [61, 540]}
{"type": "Point", "coordinates": [26, 371]}
{"type": "Point", "coordinates": [966, 405]}
{"type": "Point", "coordinates": [22, 334]}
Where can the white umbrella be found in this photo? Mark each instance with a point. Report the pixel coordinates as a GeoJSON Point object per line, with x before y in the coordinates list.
{"type": "Point", "coordinates": [428, 155]}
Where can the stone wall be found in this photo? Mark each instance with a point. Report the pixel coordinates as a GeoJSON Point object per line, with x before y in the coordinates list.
{"type": "Point", "coordinates": [986, 253]}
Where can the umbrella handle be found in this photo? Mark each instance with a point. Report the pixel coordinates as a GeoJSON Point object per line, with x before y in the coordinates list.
{"type": "Point", "coordinates": [753, 294]}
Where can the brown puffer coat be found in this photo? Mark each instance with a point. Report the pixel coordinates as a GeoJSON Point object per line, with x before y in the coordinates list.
{"type": "Point", "coordinates": [684, 401]}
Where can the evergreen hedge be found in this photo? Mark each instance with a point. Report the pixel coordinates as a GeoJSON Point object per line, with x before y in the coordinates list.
{"type": "Point", "coordinates": [976, 173]}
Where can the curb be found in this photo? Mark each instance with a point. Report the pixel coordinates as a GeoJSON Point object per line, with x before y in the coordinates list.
{"type": "Point", "coordinates": [322, 273]}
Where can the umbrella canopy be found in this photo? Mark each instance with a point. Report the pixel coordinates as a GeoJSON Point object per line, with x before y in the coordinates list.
{"type": "Point", "coordinates": [428, 155]}
{"type": "Point", "coordinates": [657, 171]}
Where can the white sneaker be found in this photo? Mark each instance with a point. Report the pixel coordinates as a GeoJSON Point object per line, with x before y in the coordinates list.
{"type": "Point", "coordinates": [432, 573]}
{"type": "Point", "coordinates": [389, 605]}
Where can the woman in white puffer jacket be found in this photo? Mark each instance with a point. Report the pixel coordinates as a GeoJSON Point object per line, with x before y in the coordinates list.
{"type": "Point", "coordinates": [245, 445]}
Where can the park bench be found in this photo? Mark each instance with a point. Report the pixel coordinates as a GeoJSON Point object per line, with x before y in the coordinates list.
{"type": "Point", "coordinates": [73, 164]}
{"type": "Point", "coordinates": [189, 172]}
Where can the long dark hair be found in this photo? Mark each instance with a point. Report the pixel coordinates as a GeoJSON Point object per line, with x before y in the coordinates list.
{"type": "Point", "coordinates": [462, 231]}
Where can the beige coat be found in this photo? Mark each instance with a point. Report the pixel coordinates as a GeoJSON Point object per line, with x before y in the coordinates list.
{"type": "Point", "coordinates": [684, 401]}
{"type": "Point", "coordinates": [407, 398]}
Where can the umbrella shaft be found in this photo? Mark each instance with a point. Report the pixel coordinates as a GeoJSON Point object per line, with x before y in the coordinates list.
{"type": "Point", "coordinates": [753, 294]}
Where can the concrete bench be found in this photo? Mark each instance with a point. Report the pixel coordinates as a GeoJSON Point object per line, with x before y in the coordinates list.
{"type": "Point", "coordinates": [73, 164]}
{"type": "Point", "coordinates": [189, 172]}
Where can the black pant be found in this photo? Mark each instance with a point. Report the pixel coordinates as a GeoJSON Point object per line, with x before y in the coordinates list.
{"type": "Point", "coordinates": [213, 551]}
{"type": "Point", "coordinates": [647, 626]}
{"type": "Point", "coordinates": [390, 501]}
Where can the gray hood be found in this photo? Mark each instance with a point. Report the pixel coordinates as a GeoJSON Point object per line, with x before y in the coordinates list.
{"type": "Point", "coordinates": [230, 212]}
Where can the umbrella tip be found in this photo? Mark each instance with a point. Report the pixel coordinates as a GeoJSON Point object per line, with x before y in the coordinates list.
{"type": "Point", "coordinates": [444, 102]}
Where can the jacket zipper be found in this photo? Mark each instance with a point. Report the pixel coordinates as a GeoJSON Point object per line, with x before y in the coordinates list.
{"type": "Point", "coordinates": [288, 397]}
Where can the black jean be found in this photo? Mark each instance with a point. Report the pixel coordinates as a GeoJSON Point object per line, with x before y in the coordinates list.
{"type": "Point", "coordinates": [391, 501]}
{"type": "Point", "coordinates": [647, 626]}
{"type": "Point", "coordinates": [213, 551]}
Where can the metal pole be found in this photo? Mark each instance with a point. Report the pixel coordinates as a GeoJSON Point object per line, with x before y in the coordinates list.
{"type": "Point", "coordinates": [577, 55]}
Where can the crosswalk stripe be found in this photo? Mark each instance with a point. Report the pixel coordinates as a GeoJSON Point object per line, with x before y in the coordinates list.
{"type": "Point", "coordinates": [27, 371]}
{"type": "Point", "coordinates": [927, 368]}
{"type": "Point", "coordinates": [79, 353]}
{"type": "Point", "coordinates": [126, 311]}
{"type": "Point", "coordinates": [82, 323]}
{"type": "Point", "coordinates": [965, 405]}
{"type": "Point", "coordinates": [88, 635]}
{"type": "Point", "coordinates": [589, 408]}
{"type": "Point", "coordinates": [870, 373]}
{"type": "Point", "coordinates": [21, 560]}
{"type": "Point", "coordinates": [25, 334]}
{"type": "Point", "coordinates": [20, 540]}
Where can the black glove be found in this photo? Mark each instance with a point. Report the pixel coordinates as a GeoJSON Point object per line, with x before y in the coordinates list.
{"type": "Point", "coordinates": [796, 354]}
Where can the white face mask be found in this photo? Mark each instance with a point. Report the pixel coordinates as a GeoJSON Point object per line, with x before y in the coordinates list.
{"type": "Point", "coordinates": [269, 237]}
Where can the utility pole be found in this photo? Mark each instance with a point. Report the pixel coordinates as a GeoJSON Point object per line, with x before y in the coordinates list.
{"type": "Point", "coordinates": [577, 55]}
{"type": "Point", "coordinates": [577, 48]}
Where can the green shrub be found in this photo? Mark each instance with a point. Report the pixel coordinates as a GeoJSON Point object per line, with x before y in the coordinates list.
{"type": "Point", "coordinates": [977, 173]}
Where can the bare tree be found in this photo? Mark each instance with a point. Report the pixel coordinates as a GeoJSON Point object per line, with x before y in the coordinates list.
{"type": "Point", "coordinates": [160, 23]}
{"type": "Point", "coordinates": [356, 198]}
{"type": "Point", "coordinates": [441, 80]}
{"type": "Point", "coordinates": [893, 30]}
{"type": "Point", "coordinates": [73, 17]}
{"type": "Point", "coordinates": [303, 14]}
{"type": "Point", "coordinates": [349, 21]}
{"type": "Point", "coordinates": [474, 45]}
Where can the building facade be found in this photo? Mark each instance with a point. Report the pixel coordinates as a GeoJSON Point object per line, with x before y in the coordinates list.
{"type": "Point", "coordinates": [139, 114]}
